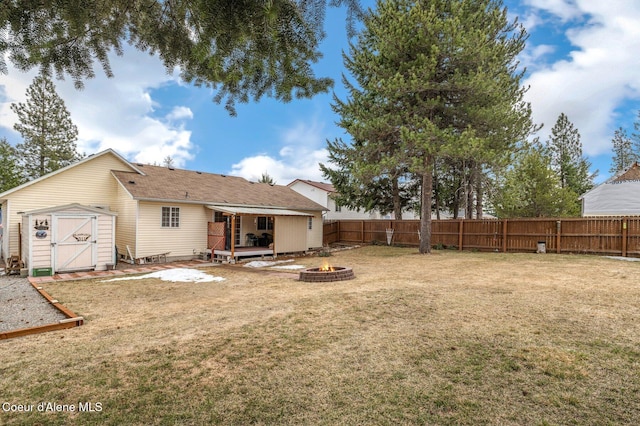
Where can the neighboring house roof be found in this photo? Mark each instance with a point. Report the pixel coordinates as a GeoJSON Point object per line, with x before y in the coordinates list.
{"type": "Point", "coordinates": [320, 185]}
{"type": "Point", "coordinates": [632, 173]}
{"type": "Point", "coordinates": [155, 183]}
{"type": "Point", "coordinates": [62, 170]}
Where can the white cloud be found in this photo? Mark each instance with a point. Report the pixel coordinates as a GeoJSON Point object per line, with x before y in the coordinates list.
{"type": "Point", "coordinates": [533, 58]}
{"type": "Point", "coordinates": [601, 72]}
{"type": "Point", "coordinates": [566, 10]}
{"type": "Point", "coordinates": [180, 113]}
{"type": "Point", "coordinates": [299, 157]}
{"type": "Point", "coordinates": [117, 112]}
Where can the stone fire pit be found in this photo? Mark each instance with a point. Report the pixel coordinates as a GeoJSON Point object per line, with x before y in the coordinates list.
{"type": "Point", "coordinates": [326, 274]}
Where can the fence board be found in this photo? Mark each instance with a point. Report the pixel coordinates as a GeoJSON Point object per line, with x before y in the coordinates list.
{"type": "Point", "coordinates": [602, 235]}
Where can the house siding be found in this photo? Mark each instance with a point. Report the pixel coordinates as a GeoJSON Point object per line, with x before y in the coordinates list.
{"type": "Point", "coordinates": [612, 199]}
{"type": "Point", "coordinates": [189, 238]}
{"type": "Point", "coordinates": [290, 234]}
{"type": "Point", "coordinates": [314, 236]}
{"type": "Point", "coordinates": [127, 209]}
{"type": "Point", "coordinates": [324, 198]}
{"type": "Point", "coordinates": [311, 192]}
{"type": "Point", "coordinates": [98, 188]}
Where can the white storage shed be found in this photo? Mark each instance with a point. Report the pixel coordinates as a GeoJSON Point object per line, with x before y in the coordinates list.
{"type": "Point", "coordinates": [68, 238]}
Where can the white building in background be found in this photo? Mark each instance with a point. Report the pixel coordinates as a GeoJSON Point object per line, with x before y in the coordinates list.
{"type": "Point", "coordinates": [323, 194]}
{"type": "Point", "coordinates": [617, 196]}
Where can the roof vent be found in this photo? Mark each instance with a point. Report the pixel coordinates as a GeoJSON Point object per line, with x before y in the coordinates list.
{"type": "Point", "coordinates": [199, 173]}
{"type": "Point", "coordinates": [223, 175]}
{"type": "Point", "coordinates": [171, 168]}
{"type": "Point", "coordinates": [132, 182]}
{"type": "Point", "coordinates": [140, 164]}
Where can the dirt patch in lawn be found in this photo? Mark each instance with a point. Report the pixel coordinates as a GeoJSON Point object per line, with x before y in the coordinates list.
{"type": "Point", "coordinates": [449, 338]}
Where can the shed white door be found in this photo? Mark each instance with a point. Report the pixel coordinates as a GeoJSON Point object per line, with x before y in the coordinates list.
{"type": "Point", "coordinates": [74, 242]}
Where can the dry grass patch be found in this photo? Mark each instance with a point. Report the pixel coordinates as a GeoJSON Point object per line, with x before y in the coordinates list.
{"type": "Point", "coordinates": [449, 338]}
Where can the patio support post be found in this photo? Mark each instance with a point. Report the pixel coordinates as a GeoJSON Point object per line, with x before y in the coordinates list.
{"type": "Point", "coordinates": [233, 236]}
{"type": "Point", "coordinates": [273, 232]}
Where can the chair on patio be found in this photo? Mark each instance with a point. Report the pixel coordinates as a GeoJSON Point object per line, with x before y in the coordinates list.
{"type": "Point", "coordinates": [251, 239]}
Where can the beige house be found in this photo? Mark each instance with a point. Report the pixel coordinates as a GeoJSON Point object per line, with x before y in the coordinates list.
{"type": "Point", "coordinates": [171, 212]}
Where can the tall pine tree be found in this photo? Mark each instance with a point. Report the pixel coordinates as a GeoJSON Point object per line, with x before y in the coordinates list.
{"type": "Point", "coordinates": [635, 137]}
{"type": "Point", "coordinates": [567, 159]}
{"type": "Point", "coordinates": [435, 79]}
{"type": "Point", "coordinates": [623, 155]}
{"type": "Point", "coordinates": [46, 127]}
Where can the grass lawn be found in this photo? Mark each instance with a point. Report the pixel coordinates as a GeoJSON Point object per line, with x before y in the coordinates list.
{"type": "Point", "coordinates": [447, 338]}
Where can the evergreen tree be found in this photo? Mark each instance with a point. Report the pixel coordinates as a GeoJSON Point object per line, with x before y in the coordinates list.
{"type": "Point", "coordinates": [623, 155]}
{"type": "Point", "coordinates": [636, 140]}
{"type": "Point", "coordinates": [46, 127]}
{"type": "Point", "coordinates": [10, 175]}
{"type": "Point", "coordinates": [435, 79]}
{"type": "Point", "coordinates": [242, 48]}
{"type": "Point", "coordinates": [567, 159]}
{"type": "Point", "coordinates": [531, 188]}
{"type": "Point", "coordinates": [265, 178]}
{"type": "Point", "coordinates": [362, 179]}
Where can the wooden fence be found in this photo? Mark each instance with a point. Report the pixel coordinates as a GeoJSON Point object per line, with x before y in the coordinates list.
{"type": "Point", "coordinates": [614, 236]}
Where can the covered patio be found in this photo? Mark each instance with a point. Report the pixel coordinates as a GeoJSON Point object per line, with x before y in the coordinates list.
{"type": "Point", "coordinates": [223, 237]}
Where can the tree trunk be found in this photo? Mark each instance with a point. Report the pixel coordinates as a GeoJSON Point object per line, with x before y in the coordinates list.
{"type": "Point", "coordinates": [436, 195]}
{"type": "Point", "coordinates": [397, 205]}
{"type": "Point", "coordinates": [479, 193]}
{"type": "Point", "coordinates": [425, 210]}
{"type": "Point", "coordinates": [455, 206]}
{"type": "Point", "coordinates": [469, 193]}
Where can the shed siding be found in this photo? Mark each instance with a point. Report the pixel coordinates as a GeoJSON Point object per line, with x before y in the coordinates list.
{"type": "Point", "coordinates": [189, 238]}
{"type": "Point", "coordinates": [105, 242]}
{"type": "Point", "coordinates": [40, 248]}
{"type": "Point", "coordinates": [98, 187]}
{"type": "Point", "coordinates": [290, 234]}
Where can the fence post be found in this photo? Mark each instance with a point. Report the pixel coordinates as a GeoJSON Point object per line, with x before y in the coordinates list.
{"type": "Point", "coordinates": [624, 237]}
{"type": "Point", "coordinates": [504, 236]}
{"type": "Point", "coordinates": [460, 233]}
{"type": "Point", "coordinates": [362, 230]}
{"type": "Point", "coordinates": [558, 235]}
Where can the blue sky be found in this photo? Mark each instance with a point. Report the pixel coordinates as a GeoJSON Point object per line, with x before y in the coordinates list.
{"type": "Point", "coordinates": [581, 58]}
